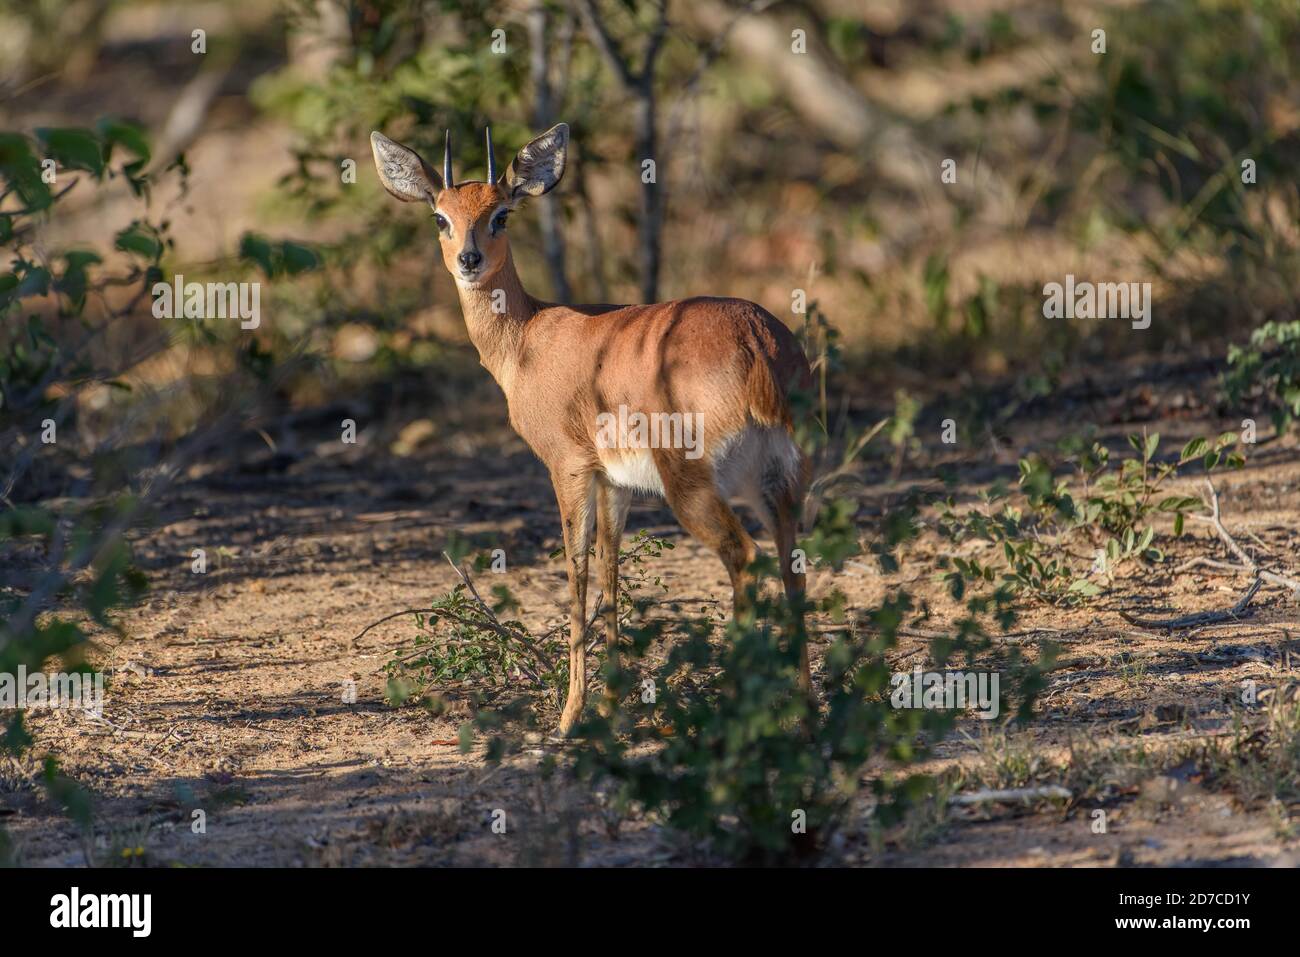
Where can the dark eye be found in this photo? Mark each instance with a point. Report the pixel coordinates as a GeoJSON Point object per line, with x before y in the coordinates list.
{"type": "Point", "coordinates": [441, 223]}
{"type": "Point", "coordinates": [499, 221]}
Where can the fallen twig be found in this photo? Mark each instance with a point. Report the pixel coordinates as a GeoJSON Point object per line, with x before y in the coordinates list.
{"type": "Point", "coordinates": [908, 632]}
{"type": "Point", "coordinates": [1200, 561]}
{"type": "Point", "coordinates": [1238, 610]}
{"type": "Point", "coordinates": [1050, 792]}
{"type": "Point", "coordinates": [397, 614]}
{"type": "Point", "coordinates": [1247, 563]}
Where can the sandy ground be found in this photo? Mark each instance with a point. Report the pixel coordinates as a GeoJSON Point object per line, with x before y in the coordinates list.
{"type": "Point", "coordinates": [226, 693]}
{"type": "Point", "coordinates": [226, 690]}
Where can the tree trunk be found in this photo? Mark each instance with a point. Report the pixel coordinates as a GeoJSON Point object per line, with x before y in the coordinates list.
{"type": "Point", "coordinates": [543, 118]}
{"type": "Point", "coordinates": [652, 193]}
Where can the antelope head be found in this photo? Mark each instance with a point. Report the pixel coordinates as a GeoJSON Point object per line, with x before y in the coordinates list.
{"type": "Point", "coordinates": [471, 216]}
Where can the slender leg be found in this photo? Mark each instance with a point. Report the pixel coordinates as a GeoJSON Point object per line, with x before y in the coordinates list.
{"type": "Point", "coordinates": [703, 512]}
{"type": "Point", "coordinates": [777, 499]}
{"type": "Point", "coordinates": [612, 504]}
{"type": "Point", "coordinates": [785, 523]}
{"type": "Point", "coordinates": [575, 494]}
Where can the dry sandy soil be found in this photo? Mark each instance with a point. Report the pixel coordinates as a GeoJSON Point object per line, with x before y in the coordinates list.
{"type": "Point", "coordinates": [226, 692]}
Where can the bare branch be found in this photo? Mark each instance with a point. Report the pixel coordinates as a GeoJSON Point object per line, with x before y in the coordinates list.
{"type": "Point", "coordinates": [654, 45]}
{"type": "Point", "coordinates": [1047, 792]}
{"type": "Point", "coordinates": [606, 45]}
{"type": "Point", "coordinates": [1238, 610]}
{"type": "Point", "coordinates": [1247, 563]}
{"type": "Point", "coordinates": [545, 99]}
{"type": "Point", "coordinates": [33, 209]}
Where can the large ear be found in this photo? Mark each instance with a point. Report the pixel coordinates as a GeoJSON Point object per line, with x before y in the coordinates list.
{"type": "Point", "coordinates": [540, 164]}
{"type": "Point", "coordinates": [403, 172]}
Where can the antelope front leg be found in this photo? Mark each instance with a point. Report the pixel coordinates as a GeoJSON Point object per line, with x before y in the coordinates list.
{"type": "Point", "coordinates": [574, 495]}
{"type": "Point", "coordinates": [612, 505]}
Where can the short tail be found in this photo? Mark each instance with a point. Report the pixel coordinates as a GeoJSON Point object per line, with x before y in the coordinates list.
{"type": "Point", "coordinates": [769, 405]}
{"type": "Point", "coordinates": [765, 398]}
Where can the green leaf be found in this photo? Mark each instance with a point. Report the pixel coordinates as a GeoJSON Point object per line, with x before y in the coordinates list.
{"type": "Point", "coordinates": [73, 282]}
{"type": "Point", "coordinates": [397, 690]}
{"type": "Point", "coordinates": [73, 149]}
{"type": "Point", "coordinates": [33, 282]}
{"type": "Point", "coordinates": [127, 135]}
{"type": "Point", "coordinates": [298, 258]}
{"type": "Point", "coordinates": [139, 239]}
{"type": "Point", "coordinates": [258, 250]}
{"type": "Point", "coordinates": [20, 166]}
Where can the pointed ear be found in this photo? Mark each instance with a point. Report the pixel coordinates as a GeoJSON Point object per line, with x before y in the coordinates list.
{"type": "Point", "coordinates": [403, 172]}
{"type": "Point", "coordinates": [540, 164]}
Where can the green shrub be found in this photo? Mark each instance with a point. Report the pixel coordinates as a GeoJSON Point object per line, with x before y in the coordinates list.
{"type": "Point", "coordinates": [1110, 510]}
{"type": "Point", "coordinates": [1268, 369]}
{"type": "Point", "coordinates": [722, 746]}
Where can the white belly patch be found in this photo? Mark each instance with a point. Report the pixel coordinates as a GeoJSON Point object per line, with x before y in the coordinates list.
{"type": "Point", "coordinates": [633, 469]}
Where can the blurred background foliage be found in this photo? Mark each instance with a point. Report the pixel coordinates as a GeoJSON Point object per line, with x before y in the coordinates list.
{"type": "Point", "coordinates": [776, 170]}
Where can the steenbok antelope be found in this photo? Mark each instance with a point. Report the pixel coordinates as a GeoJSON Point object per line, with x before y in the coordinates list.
{"type": "Point", "coordinates": [715, 374]}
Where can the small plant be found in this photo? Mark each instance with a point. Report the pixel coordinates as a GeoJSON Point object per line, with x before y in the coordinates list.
{"type": "Point", "coordinates": [1268, 368]}
{"type": "Point", "coordinates": [458, 640]}
{"type": "Point", "coordinates": [1109, 512]}
{"type": "Point", "coordinates": [1006, 761]}
{"type": "Point", "coordinates": [902, 428]}
{"type": "Point", "coordinates": [464, 639]}
{"type": "Point", "coordinates": [635, 576]}
{"type": "Point", "coordinates": [820, 342]}
{"type": "Point", "coordinates": [1120, 501]}
{"type": "Point", "coordinates": [126, 846]}
{"type": "Point", "coordinates": [1031, 563]}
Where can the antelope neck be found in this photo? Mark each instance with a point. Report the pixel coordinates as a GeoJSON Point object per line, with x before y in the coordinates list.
{"type": "Point", "coordinates": [497, 334]}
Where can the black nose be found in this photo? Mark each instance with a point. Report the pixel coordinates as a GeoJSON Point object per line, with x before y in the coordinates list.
{"type": "Point", "coordinates": [470, 259]}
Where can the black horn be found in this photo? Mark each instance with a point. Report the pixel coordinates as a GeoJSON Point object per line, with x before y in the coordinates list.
{"type": "Point", "coordinates": [491, 159]}
{"type": "Point", "coordinates": [446, 164]}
